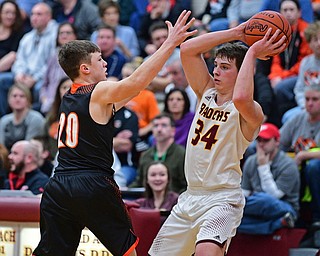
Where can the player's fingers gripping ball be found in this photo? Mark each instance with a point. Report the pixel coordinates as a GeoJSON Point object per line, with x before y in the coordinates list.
{"type": "Point", "coordinates": [258, 25]}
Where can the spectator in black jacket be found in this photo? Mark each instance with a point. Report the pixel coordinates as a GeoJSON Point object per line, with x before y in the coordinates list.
{"type": "Point", "coordinates": [215, 15]}
{"type": "Point", "coordinates": [24, 172]}
{"type": "Point", "coordinates": [124, 142]}
{"type": "Point", "coordinates": [264, 95]}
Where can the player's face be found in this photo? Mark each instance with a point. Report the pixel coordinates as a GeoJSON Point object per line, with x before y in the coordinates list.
{"type": "Point", "coordinates": [16, 158]}
{"type": "Point", "coordinates": [157, 177]}
{"type": "Point", "coordinates": [312, 104]}
{"type": "Point", "coordinates": [98, 67]}
{"type": "Point", "coordinates": [225, 73]}
{"type": "Point", "coordinates": [176, 103]}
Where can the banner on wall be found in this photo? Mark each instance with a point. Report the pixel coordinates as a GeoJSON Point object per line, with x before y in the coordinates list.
{"type": "Point", "coordinates": [20, 239]}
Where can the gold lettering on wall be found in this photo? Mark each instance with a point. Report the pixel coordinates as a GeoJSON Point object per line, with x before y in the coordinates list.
{"type": "Point", "coordinates": [27, 251]}
{"type": "Point", "coordinates": [8, 236]}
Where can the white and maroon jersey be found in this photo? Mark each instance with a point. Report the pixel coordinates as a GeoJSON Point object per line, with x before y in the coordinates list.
{"type": "Point", "coordinates": [215, 145]}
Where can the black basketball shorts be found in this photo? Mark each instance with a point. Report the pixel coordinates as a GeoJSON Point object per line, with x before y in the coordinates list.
{"type": "Point", "coordinates": [74, 200]}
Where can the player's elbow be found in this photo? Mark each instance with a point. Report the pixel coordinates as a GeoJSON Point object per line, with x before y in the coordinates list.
{"type": "Point", "coordinates": [186, 48]}
{"type": "Point", "coordinates": [239, 100]}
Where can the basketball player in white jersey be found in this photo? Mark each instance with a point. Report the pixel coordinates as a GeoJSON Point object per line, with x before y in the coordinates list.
{"type": "Point", "coordinates": [226, 121]}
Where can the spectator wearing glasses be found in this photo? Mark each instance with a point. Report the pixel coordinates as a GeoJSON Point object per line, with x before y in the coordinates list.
{"type": "Point", "coordinates": [54, 73]}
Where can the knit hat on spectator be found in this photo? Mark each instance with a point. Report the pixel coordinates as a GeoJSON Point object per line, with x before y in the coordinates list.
{"type": "Point", "coordinates": [269, 131]}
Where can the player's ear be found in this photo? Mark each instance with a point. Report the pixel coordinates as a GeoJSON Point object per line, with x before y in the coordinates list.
{"type": "Point", "coordinates": [84, 68]}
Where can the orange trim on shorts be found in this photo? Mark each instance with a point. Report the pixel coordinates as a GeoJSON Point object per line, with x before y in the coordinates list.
{"type": "Point", "coordinates": [132, 247]}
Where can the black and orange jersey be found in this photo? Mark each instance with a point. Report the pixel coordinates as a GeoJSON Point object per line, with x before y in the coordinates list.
{"type": "Point", "coordinates": [83, 144]}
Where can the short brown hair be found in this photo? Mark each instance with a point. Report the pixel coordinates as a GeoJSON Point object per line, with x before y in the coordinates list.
{"type": "Point", "coordinates": [233, 51]}
{"type": "Point", "coordinates": [165, 115]}
{"type": "Point", "coordinates": [75, 53]}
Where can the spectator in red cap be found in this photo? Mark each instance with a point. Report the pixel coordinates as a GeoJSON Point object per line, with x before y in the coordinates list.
{"type": "Point", "coordinates": [269, 131]}
{"type": "Point", "coordinates": [271, 184]}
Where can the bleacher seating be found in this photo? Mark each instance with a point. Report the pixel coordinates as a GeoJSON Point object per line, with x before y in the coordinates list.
{"type": "Point", "coordinates": [20, 209]}
{"type": "Point", "coordinates": [146, 224]}
{"type": "Point", "coordinates": [277, 244]}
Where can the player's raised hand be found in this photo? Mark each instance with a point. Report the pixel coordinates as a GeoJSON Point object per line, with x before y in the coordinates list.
{"type": "Point", "coordinates": [269, 46]}
{"type": "Point", "coordinates": [179, 32]}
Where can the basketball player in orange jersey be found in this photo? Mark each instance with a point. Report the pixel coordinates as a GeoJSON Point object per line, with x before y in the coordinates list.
{"type": "Point", "coordinates": [227, 119]}
{"type": "Point", "coordinates": [83, 193]}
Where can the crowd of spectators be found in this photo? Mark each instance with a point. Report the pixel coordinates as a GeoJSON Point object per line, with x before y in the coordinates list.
{"type": "Point", "coordinates": [153, 127]}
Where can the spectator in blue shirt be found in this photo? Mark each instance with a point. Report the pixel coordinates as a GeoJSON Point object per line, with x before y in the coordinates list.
{"type": "Point", "coordinates": [106, 40]}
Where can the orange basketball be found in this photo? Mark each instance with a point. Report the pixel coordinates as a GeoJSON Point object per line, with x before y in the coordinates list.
{"type": "Point", "coordinates": [259, 24]}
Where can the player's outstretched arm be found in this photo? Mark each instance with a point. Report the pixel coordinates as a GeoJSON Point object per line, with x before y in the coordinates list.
{"type": "Point", "coordinates": [191, 56]}
{"type": "Point", "coordinates": [110, 92]}
{"type": "Point", "coordinates": [251, 112]}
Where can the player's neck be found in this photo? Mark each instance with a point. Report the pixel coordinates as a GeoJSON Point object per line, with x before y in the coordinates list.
{"type": "Point", "coordinates": [220, 99]}
{"type": "Point", "coordinates": [84, 81]}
